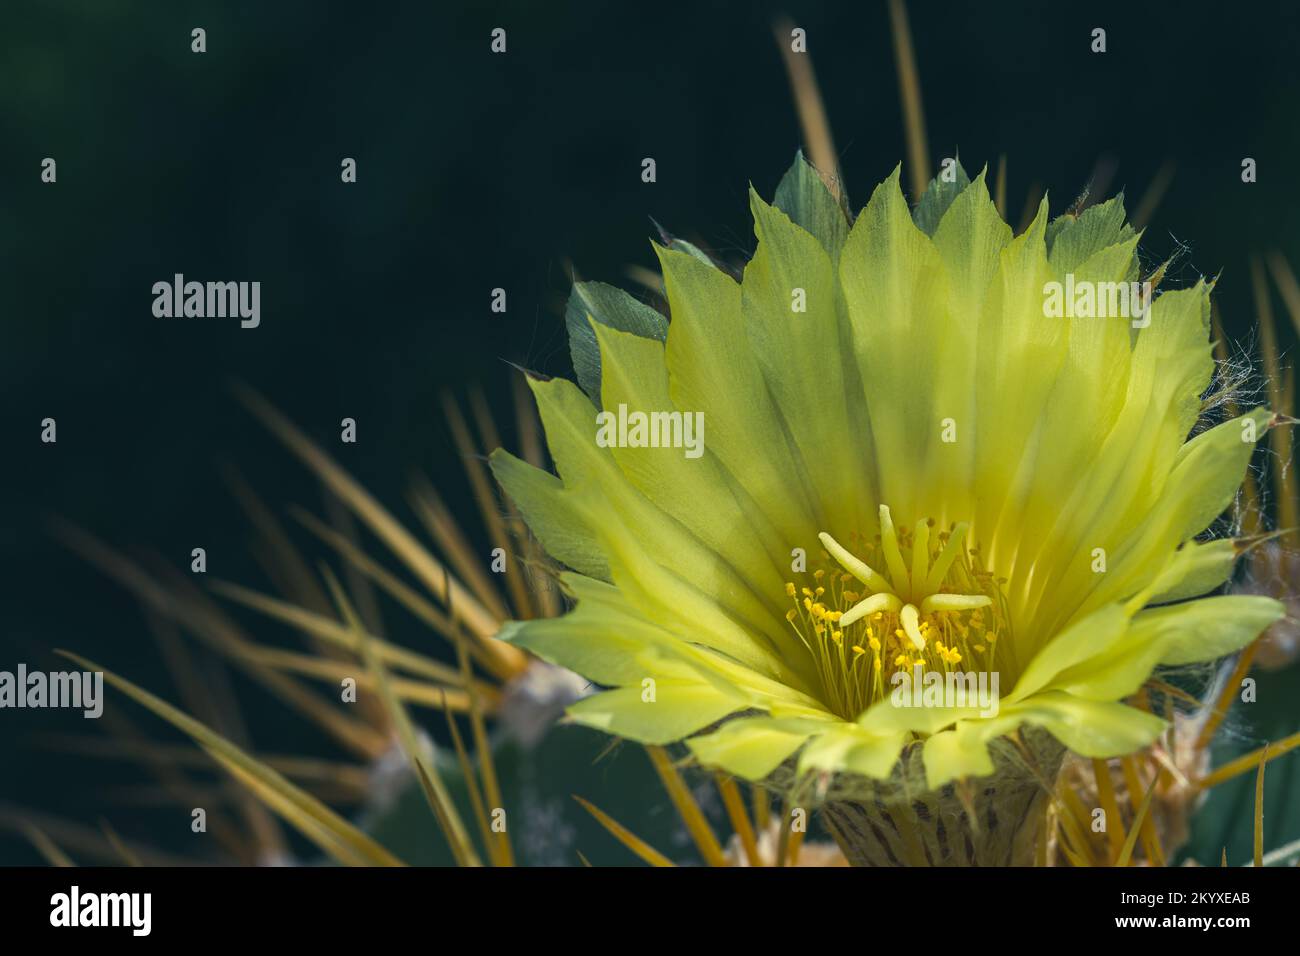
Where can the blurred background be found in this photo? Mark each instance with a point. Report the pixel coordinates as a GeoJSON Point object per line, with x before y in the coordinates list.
{"type": "Point", "coordinates": [478, 171]}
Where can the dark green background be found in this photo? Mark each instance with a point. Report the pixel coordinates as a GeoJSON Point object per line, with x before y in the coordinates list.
{"type": "Point", "coordinates": [475, 171]}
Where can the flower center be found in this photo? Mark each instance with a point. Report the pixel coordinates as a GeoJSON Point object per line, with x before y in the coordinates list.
{"type": "Point", "coordinates": [931, 605]}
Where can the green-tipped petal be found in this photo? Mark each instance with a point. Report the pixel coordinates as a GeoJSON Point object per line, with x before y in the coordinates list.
{"type": "Point", "coordinates": [607, 306]}
{"type": "Point", "coordinates": [803, 197]}
{"type": "Point", "coordinates": [549, 513]}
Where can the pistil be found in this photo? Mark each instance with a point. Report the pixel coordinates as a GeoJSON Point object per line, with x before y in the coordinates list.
{"type": "Point", "coordinates": [933, 607]}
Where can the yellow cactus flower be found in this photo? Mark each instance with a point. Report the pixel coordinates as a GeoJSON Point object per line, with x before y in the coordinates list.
{"type": "Point", "coordinates": [1017, 492]}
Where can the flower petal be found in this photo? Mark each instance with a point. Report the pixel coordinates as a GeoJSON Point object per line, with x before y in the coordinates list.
{"type": "Point", "coordinates": [849, 748]}
{"type": "Point", "coordinates": [896, 296]}
{"type": "Point", "coordinates": [677, 709]}
{"type": "Point", "coordinates": [1088, 727]}
{"type": "Point", "coordinates": [540, 496]}
{"type": "Point", "coordinates": [614, 510]}
{"type": "Point", "coordinates": [712, 368]}
{"type": "Point", "coordinates": [1211, 627]}
{"type": "Point", "coordinates": [694, 490]}
{"type": "Point", "coordinates": [1207, 565]}
{"type": "Point", "coordinates": [803, 197]}
{"type": "Point", "coordinates": [752, 747]}
{"type": "Point", "coordinates": [790, 302]}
